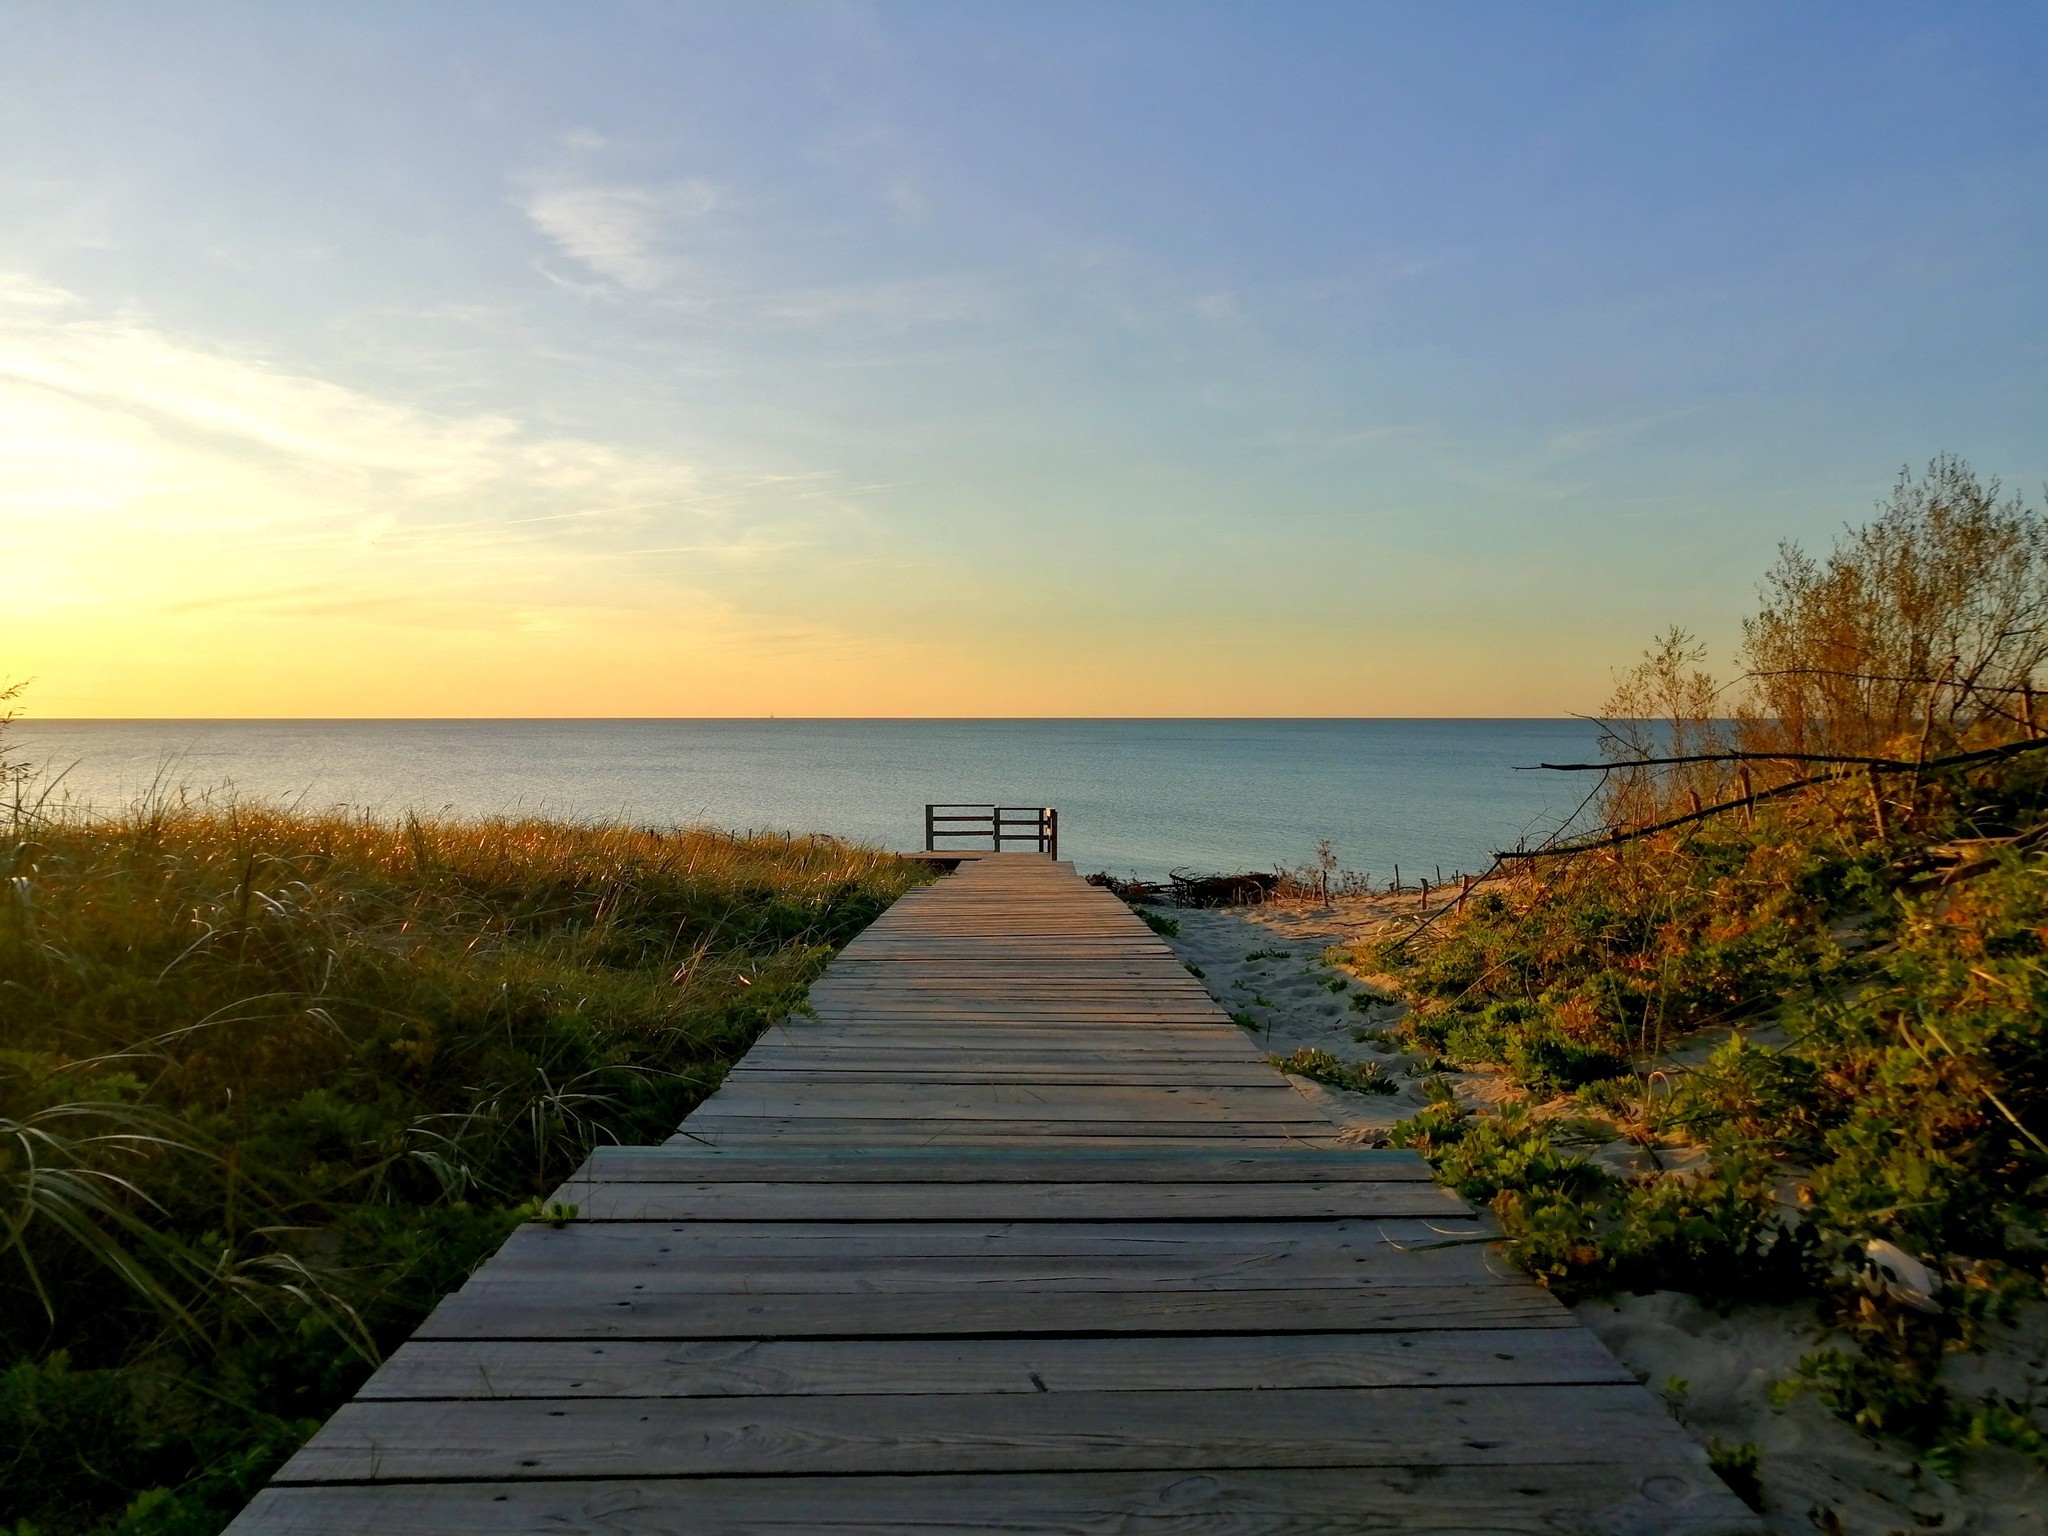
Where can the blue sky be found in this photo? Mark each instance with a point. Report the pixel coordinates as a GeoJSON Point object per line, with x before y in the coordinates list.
{"type": "Point", "coordinates": [977, 358]}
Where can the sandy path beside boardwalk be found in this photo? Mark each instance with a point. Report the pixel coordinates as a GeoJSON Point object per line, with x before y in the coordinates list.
{"type": "Point", "coordinates": [1266, 964]}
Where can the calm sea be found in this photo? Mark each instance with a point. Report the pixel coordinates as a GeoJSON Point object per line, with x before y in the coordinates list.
{"type": "Point", "coordinates": [1138, 796]}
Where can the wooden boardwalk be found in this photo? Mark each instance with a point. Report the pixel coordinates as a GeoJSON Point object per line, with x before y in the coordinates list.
{"type": "Point", "coordinates": [1017, 1234]}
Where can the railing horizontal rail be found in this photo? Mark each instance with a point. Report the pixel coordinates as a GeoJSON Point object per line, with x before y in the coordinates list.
{"type": "Point", "coordinates": [1037, 825]}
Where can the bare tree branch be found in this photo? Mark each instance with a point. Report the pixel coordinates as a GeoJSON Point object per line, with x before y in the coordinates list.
{"type": "Point", "coordinates": [1846, 760]}
{"type": "Point", "coordinates": [1618, 838]}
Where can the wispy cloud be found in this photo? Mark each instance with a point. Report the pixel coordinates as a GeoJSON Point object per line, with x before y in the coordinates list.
{"type": "Point", "coordinates": [141, 467]}
{"type": "Point", "coordinates": [625, 233]}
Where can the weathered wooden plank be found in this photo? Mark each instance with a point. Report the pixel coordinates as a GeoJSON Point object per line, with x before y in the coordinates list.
{"type": "Point", "coordinates": [1124, 1106]}
{"type": "Point", "coordinates": [1231, 1101]}
{"type": "Point", "coordinates": [1015, 1023]}
{"type": "Point", "coordinates": [804, 1367]}
{"type": "Point", "coordinates": [857, 1135]}
{"type": "Point", "coordinates": [1038, 1432]}
{"type": "Point", "coordinates": [965, 1076]}
{"type": "Point", "coordinates": [1048, 1029]}
{"type": "Point", "coordinates": [1081, 1042]}
{"type": "Point", "coordinates": [1230, 1057]}
{"type": "Point", "coordinates": [953, 1165]}
{"type": "Point", "coordinates": [553, 1310]}
{"type": "Point", "coordinates": [1102, 984]}
{"type": "Point", "coordinates": [1042, 1028]}
{"type": "Point", "coordinates": [580, 1242]}
{"type": "Point", "coordinates": [1018, 1000]}
{"type": "Point", "coordinates": [669, 1265]}
{"type": "Point", "coordinates": [731, 1201]}
{"type": "Point", "coordinates": [1082, 947]}
{"type": "Point", "coordinates": [1011, 1011]}
{"type": "Point", "coordinates": [879, 1051]}
{"type": "Point", "coordinates": [1100, 988]}
{"type": "Point", "coordinates": [919, 1130]}
{"type": "Point", "coordinates": [1663, 1499]}
{"type": "Point", "coordinates": [1281, 1104]}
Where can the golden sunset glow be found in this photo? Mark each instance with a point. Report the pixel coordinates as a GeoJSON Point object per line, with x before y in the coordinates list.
{"type": "Point", "coordinates": [194, 534]}
{"type": "Point", "coordinates": [776, 375]}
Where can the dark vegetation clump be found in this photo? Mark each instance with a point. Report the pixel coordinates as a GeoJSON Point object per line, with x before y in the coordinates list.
{"type": "Point", "coordinates": [271, 1084]}
{"type": "Point", "coordinates": [1165, 927]}
{"type": "Point", "coordinates": [1816, 1013]}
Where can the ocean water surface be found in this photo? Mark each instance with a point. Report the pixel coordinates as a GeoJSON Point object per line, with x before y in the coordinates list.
{"type": "Point", "coordinates": [1134, 796]}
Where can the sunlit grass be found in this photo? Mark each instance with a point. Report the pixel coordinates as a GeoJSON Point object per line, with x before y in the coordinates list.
{"type": "Point", "coordinates": [272, 1083]}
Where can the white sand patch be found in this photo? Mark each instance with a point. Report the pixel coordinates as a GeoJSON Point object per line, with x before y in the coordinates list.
{"type": "Point", "coordinates": [1818, 1473]}
{"type": "Point", "coordinates": [1266, 965]}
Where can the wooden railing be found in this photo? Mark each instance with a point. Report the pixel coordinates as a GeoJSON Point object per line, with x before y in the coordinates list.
{"type": "Point", "coordinates": [1038, 825]}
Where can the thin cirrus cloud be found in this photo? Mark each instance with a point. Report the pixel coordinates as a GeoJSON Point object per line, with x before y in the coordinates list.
{"type": "Point", "coordinates": [138, 466]}
{"type": "Point", "coordinates": [624, 233]}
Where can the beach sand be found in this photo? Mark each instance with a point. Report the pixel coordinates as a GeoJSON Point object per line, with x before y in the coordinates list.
{"type": "Point", "coordinates": [1267, 965]}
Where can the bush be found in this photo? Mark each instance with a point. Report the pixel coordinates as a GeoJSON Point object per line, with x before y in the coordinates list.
{"type": "Point", "coordinates": [1891, 927]}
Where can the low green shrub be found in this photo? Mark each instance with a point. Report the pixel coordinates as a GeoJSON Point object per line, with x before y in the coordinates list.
{"type": "Point", "coordinates": [1166, 927]}
{"type": "Point", "coordinates": [1739, 1467]}
{"type": "Point", "coordinates": [1902, 1106]}
{"type": "Point", "coordinates": [1321, 1067]}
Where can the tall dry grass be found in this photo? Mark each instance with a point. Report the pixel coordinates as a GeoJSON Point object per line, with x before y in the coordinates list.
{"type": "Point", "coordinates": [271, 1083]}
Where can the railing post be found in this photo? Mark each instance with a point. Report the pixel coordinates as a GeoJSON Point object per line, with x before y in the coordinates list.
{"type": "Point", "coordinates": [1038, 825]}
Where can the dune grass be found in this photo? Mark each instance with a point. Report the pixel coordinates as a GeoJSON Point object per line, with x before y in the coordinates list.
{"type": "Point", "coordinates": [271, 1084]}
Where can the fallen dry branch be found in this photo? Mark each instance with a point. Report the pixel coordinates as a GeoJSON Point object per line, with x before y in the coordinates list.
{"type": "Point", "coordinates": [1615, 839]}
{"type": "Point", "coordinates": [1872, 764]}
{"type": "Point", "coordinates": [1190, 890]}
{"type": "Point", "coordinates": [1839, 759]}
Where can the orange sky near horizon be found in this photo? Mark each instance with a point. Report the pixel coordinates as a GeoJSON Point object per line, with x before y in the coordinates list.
{"type": "Point", "coordinates": [189, 533]}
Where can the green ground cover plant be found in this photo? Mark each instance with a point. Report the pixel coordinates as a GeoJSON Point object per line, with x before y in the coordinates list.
{"type": "Point", "coordinates": [1817, 1017]}
{"type": "Point", "coordinates": [1166, 927]}
{"type": "Point", "coordinates": [1321, 1067]}
{"type": "Point", "coordinates": [271, 1084]}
